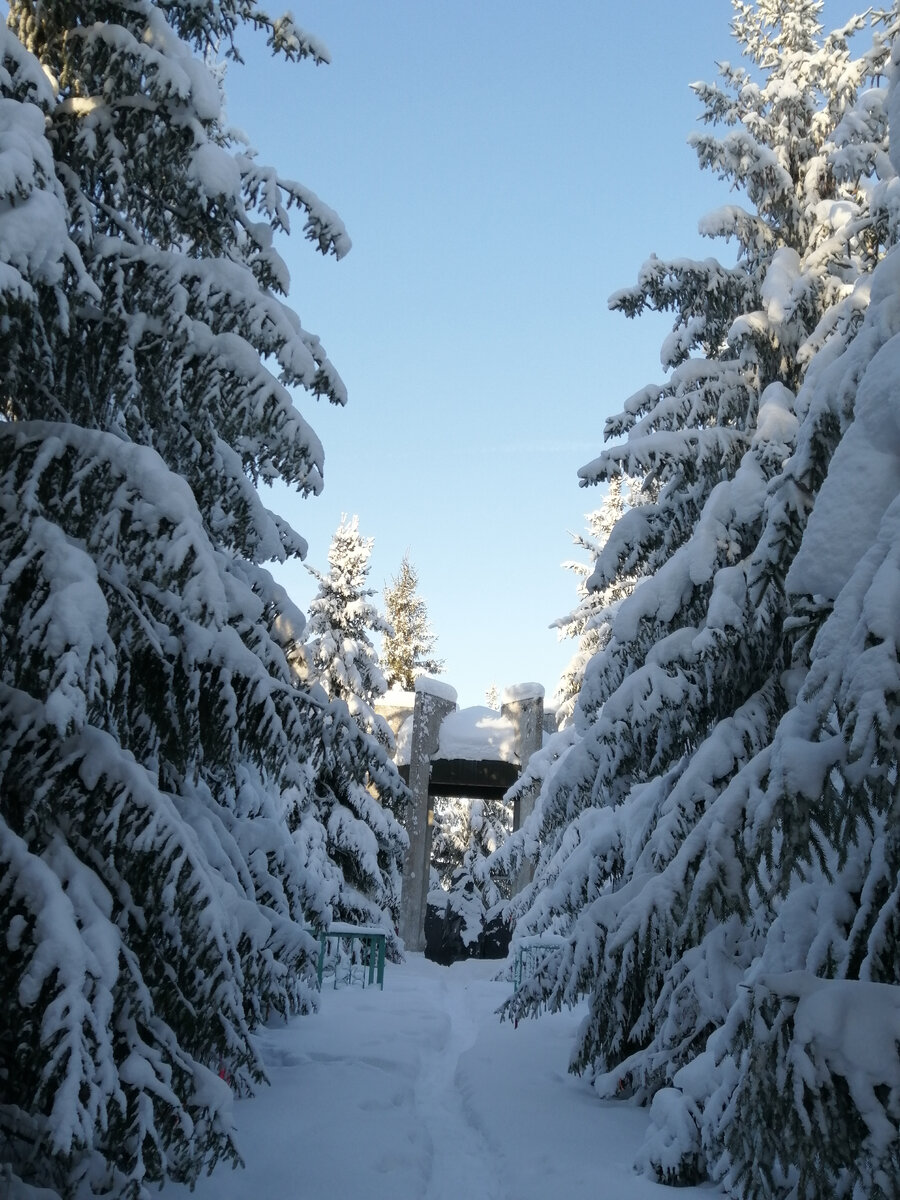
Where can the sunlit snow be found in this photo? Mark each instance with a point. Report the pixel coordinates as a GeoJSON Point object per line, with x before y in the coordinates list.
{"type": "Point", "coordinates": [477, 733]}
{"type": "Point", "coordinates": [419, 1092]}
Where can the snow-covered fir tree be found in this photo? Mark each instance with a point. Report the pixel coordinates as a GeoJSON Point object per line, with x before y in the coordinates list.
{"type": "Point", "coordinates": [810, 827]}
{"type": "Point", "coordinates": [797, 1091]}
{"type": "Point", "coordinates": [467, 836]}
{"type": "Point", "coordinates": [160, 847]}
{"type": "Point", "coordinates": [359, 792]}
{"type": "Point", "coordinates": [340, 652]}
{"type": "Point", "coordinates": [490, 824]}
{"type": "Point", "coordinates": [463, 827]}
{"type": "Point", "coordinates": [591, 619]}
{"type": "Point", "coordinates": [360, 801]}
{"type": "Point", "coordinates": [591, 622]}
{"type": "Point", "coordinates": [450, 837]}
{"type": "Point", "coordinates": [407, 649]}
{"type": "Point", "coordinates": [670, 834]}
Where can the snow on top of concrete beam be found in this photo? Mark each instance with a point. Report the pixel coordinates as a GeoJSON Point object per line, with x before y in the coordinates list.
{"type": "Point", "coordinates": [477, 734]}
{"type": "Point", "coordinates": [435, 687]}
{"type": "Point", "coordinates": [522, 691]}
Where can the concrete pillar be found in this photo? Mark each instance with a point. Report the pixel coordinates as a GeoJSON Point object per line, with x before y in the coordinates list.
{"type": "Point", "coordinates": [523, 707]}
{"type": "Point", "coordinates": [433, 701]}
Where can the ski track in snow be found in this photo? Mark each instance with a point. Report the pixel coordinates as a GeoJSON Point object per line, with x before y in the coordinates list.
{"type": "Point", "coordinates": [460, 1161]}
{"type": "Point", "coordinates": [419, 1092]}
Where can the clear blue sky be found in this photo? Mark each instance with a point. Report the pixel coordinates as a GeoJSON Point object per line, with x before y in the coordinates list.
{"type": "Point", "coordinates": [502, 166]}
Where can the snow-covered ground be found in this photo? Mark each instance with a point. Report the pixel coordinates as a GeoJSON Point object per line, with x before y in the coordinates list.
{"type": "Point", "coordinates": [420, 1093]}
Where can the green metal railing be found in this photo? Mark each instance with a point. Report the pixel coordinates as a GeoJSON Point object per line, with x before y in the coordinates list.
{"type": "Point", "coordinates": [529, 953]}
{"type": "Point", "coordinates": [370, 953]}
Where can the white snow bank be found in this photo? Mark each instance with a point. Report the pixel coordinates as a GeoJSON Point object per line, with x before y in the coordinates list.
{"type": "Point", "coordinates": [477, 733]}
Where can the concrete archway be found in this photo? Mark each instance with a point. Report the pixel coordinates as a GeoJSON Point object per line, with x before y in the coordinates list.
{"type": "Point", "coordinates": [454, 767]}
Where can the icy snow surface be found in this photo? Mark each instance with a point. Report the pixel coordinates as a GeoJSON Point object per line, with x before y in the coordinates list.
{"type": "Point", "coordinates": [420, 1093]}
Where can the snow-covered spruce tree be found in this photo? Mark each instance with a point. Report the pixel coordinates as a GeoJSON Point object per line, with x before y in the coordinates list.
{"type": "Point", "coordinates": [798, 1090]}
{"type": "Point", "coordinates": [407, 650]}
{"type": "Point", "coordinates": [359, 791]}
{"type": "Point", "coordinates": [340, 653]}
{"type": "Point", "coordinates": [467, 832]}
{"type": "Point", "coordinates": [490, 822]}
{"type": "Point", "coordinates": [697, 672]}
{"type": "Point", "coordinates": [450, 837]}
{"type": "Point", "coordinates": [590, 620]}
{"type": "Point", "coordinates": [465, 897]}
{"type": "Point", "coordinates": [360, 798]}
{"type": "Point", "coordinates": [156, 756]}
{"type": "Point", "coordinates": [813, 821]}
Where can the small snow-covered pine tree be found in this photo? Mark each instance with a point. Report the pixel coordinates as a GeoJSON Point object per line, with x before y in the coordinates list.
{"type": "Point", "coordinates": [468, 828]}
{"type": "Point", "coordinates": [407, 648]}
{"type": "Point", "coordinates": [339, 649]}
{"type": "Point", "coordinates": [467, 835]}
{"type": "Point", "coordinates": [359, 792]}
{"type": "Point", "coordinates": [450, 836]}
{"type": "Point", "coordinates": [591, 620]}
{"type": "Point", "coordinates": [360, 798]}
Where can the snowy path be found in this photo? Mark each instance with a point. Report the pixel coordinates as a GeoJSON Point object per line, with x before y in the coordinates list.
{"type": "Point", "coordinates": [419, 1093]}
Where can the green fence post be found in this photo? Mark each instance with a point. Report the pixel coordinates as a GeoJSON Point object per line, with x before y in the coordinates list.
{"type": "Point", "coordinates": [321, 967]}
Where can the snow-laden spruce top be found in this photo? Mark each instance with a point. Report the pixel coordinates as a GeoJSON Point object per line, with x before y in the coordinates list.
{"type": "Point", "coordinates": [475, 734]}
